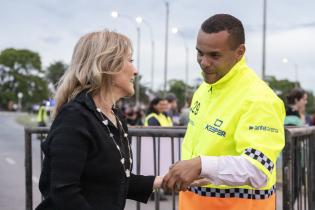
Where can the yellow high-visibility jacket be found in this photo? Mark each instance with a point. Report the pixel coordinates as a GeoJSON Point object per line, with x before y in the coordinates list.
{"type": "Point", "coordinates": [165, 121]}
{"type": "Point", "coordinates": [41, 115]}
{"type": "Point", "coordinates": [239, 115]}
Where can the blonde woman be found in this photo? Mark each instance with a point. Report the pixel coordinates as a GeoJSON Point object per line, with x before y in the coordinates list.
{"type": "Point", "coordinates": [88, 158]}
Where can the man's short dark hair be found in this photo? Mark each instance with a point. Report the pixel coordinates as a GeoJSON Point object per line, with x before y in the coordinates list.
{"type": "Point", "coordinates": [225, 22]}
{"type": "Point", "coordinates": [170, 97]}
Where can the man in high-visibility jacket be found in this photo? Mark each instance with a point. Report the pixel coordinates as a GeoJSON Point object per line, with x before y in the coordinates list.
{"type": "Point", "coordinates": [41, 120]}
{"type": "Point", "coordinates": [41, 116]}
{"type": "Point", "coordinates": [235, 131]}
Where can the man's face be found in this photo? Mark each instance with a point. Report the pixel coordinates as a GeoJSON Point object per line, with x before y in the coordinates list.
{"type": "Point", "coordinates": [173, 104]}
{"type": "Point", "coordinates": [165, 106]}
{"type": "Point", "coordinates": [215, 55]}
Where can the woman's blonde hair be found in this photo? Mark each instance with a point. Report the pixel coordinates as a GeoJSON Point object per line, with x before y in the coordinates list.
{"type": "Point", "coordinates": [96, 57]}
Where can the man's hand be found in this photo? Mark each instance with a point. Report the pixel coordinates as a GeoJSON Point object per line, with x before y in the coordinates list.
{"type": "Point", "coordinates": [181, 174]}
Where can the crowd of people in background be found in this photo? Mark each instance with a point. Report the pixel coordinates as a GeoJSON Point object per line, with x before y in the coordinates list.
{"type": "Point", "coordinates": [164, 111]}
{"type": "Point", "coordinates": [161, 111]}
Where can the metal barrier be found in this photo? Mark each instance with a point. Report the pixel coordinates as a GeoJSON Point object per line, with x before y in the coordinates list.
{"type": "Point", "coordinates": [139, 136]}
{"type": "Point", "coordinates": [298, 167]}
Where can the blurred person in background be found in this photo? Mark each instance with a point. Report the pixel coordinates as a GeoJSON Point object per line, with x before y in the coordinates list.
{"type": "Point", "coordinates": [156, 114]}
{"type": "Point", "coordinates": [42, 119]}
{"type": "Point", "coordinates": [42, 115]}
{"type": "Point", "coordinates": [184, 114]}
{"type": "Point", "coordinates": [134, 116]}
{"type": "Point", "coordinates": [295, 116]}
{"type": "Point", "coordinates": [295, 110]}
{"type": "Point", "coordinates": [172, 110]}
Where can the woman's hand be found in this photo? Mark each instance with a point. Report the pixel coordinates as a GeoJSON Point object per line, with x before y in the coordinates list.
{"type": "Point", "coordinates": [158, 182]}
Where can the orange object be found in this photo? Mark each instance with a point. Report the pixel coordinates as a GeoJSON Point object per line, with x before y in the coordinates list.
{"type": "Point", "coordinates": [191, 201]}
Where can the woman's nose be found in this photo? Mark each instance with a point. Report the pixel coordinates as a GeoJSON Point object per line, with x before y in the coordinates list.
{"type": "Point", "coordinates": [135, 71]}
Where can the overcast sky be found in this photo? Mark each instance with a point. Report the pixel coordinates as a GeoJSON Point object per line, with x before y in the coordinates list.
{"type": "Point", "coordinates": [52, 28]}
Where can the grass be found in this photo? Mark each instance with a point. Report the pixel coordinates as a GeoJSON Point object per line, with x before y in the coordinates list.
{"type": "Point", "coordinates": [26, 119]}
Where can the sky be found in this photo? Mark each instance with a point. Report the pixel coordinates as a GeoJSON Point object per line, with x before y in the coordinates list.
{"type": "Point", "coordinates": [53, 27]}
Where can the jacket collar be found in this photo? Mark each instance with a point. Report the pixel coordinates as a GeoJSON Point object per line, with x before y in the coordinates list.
{"type": "Point", "coordinates": [85, 98]}
{"type": "Point", "coordinates": [230, 75]}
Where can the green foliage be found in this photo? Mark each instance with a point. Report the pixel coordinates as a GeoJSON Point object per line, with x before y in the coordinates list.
{"type": "Point", "coordinates": [55, 71]}
{"type": "Point", "coordinates": [20, 72]}
{"type": "Point", "coordinates": [181, 90]}
{"type": "Point", "coordinates": [20, 60]}
{"type": "Point", "coordinates": [283, 87]}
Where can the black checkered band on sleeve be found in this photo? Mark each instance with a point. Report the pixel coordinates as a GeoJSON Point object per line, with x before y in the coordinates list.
{"type": "Point", "coordinates": [260, 157]}
{"type": "Point", "coordinates": [233, 192]}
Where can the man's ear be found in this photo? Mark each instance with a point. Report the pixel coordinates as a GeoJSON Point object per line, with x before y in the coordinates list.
{"type": "Point", "coordinates": [240, 51]}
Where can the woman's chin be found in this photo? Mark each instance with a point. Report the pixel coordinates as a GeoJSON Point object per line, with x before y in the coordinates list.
{"type": "Point", "coordinates": [131, 92]}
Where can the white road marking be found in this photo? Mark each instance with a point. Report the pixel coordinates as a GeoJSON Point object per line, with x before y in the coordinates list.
{"type": "Point", "coordinates": [10, 160]}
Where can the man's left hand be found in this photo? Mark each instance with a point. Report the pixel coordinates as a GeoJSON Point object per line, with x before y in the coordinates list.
{"type": "Point", "coordinates": [181, 174]}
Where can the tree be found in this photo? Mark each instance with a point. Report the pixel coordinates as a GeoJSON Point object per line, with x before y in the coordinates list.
{"type": "Point", "coordinates": [55, 71]}
{"type": "Point", "coordinates": [21, 72]}
{"type": "Point", "coordinates": [181, 90]}
{"type": "Point", "coordinates": [283, 87]}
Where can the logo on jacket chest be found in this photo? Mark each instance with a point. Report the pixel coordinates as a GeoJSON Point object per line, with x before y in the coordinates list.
{"type": "Point", "coordinates": [195, 108]}
{"type": "Point", "coordinates": [215, 128]}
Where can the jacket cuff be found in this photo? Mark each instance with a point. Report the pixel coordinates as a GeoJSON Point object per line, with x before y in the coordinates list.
{"type": "Point", "coordinates": [140, 187]}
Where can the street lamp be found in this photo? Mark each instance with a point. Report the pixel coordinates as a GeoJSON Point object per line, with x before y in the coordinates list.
{"type": "Point", "coordinates": [296, 67]}
{"type": "Point", "coordinates": [264, 40]}
{"type": "Point", "coordinates": [176, 31]}
{"type": "Point", "coordinates": [166, 44]}
{"type": "Point", "coordinates": [115, 14]}
{"type": "Point", "coordinates": [20, 96]}
{"type": "Point", "coordinates": [141, 20]}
